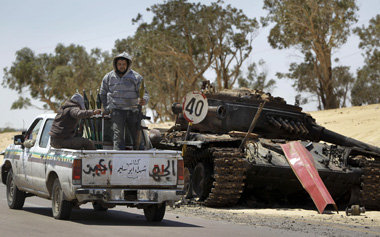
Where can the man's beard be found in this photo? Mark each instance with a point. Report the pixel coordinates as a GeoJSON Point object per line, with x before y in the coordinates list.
{"type": "Point", "coordinates": [121, 72]}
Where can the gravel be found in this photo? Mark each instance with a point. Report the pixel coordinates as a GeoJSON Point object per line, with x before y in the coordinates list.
{"type": "Point", "coordinates": [301, 220]}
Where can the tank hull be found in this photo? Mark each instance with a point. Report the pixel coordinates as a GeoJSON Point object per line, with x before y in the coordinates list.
{"type": "Point", "coordinates": [349, 168]}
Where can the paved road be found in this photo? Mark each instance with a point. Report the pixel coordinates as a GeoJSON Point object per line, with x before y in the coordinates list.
{"type": "Point", "coordinates": [36, 220]}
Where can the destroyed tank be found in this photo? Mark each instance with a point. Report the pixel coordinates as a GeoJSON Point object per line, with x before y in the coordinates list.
{"type": "Point", "coordinates": [222, 170]}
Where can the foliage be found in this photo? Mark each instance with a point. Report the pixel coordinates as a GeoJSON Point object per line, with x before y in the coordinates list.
{"type": "Point", "coordinates": [182, 42]}
{"type": "Point", "coordinates": [231, 32]}
{"type": "Point", "coordinates": [8, 129]}
{"type": "Point", "coordinates": [52, 78]}
{"type": "Point", "coordinates": [367, 86]}
{"type": "Point", "coordinates": [344, 82]}
{"type": "Point", "coordinates": [315, 28]}
{"type": "Point", "coordinates": [306, 80]}
{"type": "Point", "coordinates": [257, 78]}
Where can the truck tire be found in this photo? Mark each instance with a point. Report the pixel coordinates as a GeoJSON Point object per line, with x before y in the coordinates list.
{"type": "Point", "coordinates": [155, 212]}
{"type": "Point", "coordinates": [61, 208]}
{"type": "Point", "coordinates": [99, 207]}
{"type": "Point", "coordinates": [15, 197]}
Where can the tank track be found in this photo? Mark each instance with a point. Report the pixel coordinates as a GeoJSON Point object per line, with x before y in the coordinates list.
{"type": "Point", "coordinates": [370, 185]}
{"type": "Point", "coordinates": [229, 175]}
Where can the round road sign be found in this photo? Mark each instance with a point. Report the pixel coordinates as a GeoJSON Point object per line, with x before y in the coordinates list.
{"type": "Point", "coordinates": [195, 107]}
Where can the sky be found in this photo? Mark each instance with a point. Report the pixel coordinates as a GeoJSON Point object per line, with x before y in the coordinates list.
{"type": "Point", "coordinates": [41, 24]}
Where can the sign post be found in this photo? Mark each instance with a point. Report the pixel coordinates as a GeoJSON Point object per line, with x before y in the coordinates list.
{"type": "Point", "coordinates": [194, 109]}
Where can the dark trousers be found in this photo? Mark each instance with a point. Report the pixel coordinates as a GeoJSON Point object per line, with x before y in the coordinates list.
{"type": "Point", "coordinates": [77, 143]}
{"type": "Point", "coordinates": [122, 119]}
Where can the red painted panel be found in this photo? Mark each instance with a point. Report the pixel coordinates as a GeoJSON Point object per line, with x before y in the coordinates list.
{"type": "Point", "coordinates": [301, 161]}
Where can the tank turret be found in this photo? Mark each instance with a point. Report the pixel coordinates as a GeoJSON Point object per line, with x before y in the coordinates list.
{"type": "Point", "coordinates": [233, 110]}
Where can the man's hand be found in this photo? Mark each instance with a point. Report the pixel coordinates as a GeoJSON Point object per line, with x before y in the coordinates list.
{"type": "Point", "coordinates": [97, 111]}
{"type": "Point", "coordinates": [141, 101]}
{"type": "Point", "coordinates": [106, 112]}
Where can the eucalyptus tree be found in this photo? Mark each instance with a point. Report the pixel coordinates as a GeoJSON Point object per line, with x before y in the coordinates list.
{"type": "Point", "coordinates": [256, 78]}
{"type": "Point", "coordinates": [184, 40]}
{"type": "Point", "coordinates": [305, 79]}
{"type": "Point", "coordinates": [52, 78]}
{"type": "Point", "coordinates": [315, 28]}
{"type": "Point", "coordinates": [367, 86]}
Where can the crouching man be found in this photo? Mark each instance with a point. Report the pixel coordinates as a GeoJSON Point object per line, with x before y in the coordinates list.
{"type": "Point", "coordinates": [62, 132]}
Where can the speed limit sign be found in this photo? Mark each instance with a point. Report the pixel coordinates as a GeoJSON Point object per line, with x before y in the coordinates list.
{"type": "Point", "coordinates": [195, 107]}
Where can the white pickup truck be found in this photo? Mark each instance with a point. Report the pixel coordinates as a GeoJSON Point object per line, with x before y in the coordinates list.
{"type": "Point", "coordinates": [147, 179]}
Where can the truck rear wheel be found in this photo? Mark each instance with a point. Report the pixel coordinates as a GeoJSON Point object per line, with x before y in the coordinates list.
{"type": "Point", "coordinates": [155, 212]}
{"type": "Point", "coordinates": [15, 197]}
{"type": "Point", "coordinates": [61, 208]}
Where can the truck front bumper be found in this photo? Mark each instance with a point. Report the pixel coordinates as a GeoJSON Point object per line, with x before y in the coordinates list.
{"type": "Point", "coordinates": [128, 196]}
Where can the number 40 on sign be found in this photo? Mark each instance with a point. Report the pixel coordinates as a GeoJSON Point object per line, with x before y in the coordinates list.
{"type": "Point", "coordinates": [195, 107]}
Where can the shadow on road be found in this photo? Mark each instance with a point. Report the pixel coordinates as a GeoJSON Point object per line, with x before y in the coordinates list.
{"type": "Point", "coordinates": [109, 218]}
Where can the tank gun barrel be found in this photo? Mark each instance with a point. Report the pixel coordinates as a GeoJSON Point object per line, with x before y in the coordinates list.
{"type": "Point", "coordinates": [339, 139]}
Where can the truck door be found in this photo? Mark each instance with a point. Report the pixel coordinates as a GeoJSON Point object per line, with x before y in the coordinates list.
{"type": "Point", "coordinates": [40, 150]}
{"type": "Point", "coordinates": [25, 170]}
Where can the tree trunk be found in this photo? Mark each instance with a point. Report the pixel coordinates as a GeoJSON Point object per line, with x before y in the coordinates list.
{"type": "Point", "coordinates": [328, 96]}
{"type": "Point", "coordinates": [225, 79]}
{"type": "Point", "coordinates": [331, 101]}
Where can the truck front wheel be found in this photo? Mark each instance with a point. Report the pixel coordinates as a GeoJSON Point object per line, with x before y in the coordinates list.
{"type": "Point", "coordinates": [61, 208]}
{"type": "Point", "coordinates": [155, 212]}
{"type": "Point", "coordinates": [15, 197]}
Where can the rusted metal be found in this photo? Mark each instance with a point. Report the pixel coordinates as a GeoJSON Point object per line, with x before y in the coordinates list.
{"type": "Point", "coordinates": [300, 160]}
{"type": "Point", "coordinates": [355, 210]}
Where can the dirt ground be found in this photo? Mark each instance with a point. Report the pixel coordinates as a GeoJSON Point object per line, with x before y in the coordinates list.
{"type": "Point", "coordinates": [6, 139]}
{"type": "Point", "coordinates": [304, 221]}
{"type": "Point", "coordinates": [361, 123]}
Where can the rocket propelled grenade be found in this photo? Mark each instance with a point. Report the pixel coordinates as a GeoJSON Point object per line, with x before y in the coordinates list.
{"type": "Point", "coordinates": [140, 117]}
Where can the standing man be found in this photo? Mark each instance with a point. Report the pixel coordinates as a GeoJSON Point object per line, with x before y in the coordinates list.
{"type": "Point", "coordinates": [62, 132]}
{"type": "Point", "coordinates": [119, 93]}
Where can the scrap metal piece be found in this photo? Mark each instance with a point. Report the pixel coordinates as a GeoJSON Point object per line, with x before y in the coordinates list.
{"type": "Point", "coordinates": [355, 210]}
{"type": "Point", "coordinates": [300, 160]}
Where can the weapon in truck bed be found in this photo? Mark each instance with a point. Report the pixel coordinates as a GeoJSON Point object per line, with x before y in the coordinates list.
{"type": "Point", "coordinates": [89, 122]}
{"type": "Point", "coordinates": [140, 117]}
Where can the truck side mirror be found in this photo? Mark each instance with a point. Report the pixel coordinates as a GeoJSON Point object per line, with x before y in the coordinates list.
{"type": "Point", "coordinates": [29, 143]}
{"type": "Point", "coordinates": [18, 139]}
